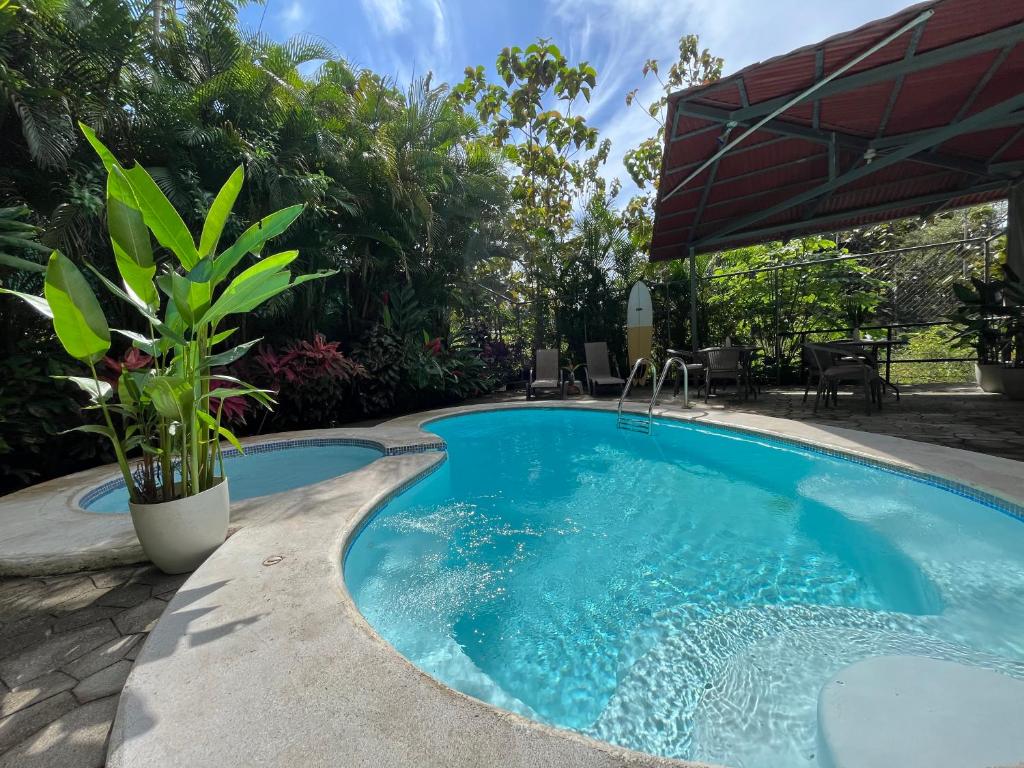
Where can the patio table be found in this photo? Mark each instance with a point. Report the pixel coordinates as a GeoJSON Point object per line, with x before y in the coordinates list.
{"type": "Point", "coordinates": [872, 348]}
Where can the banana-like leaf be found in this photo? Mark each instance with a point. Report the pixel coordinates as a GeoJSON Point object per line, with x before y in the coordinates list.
{"type": "Point", "coordinates": [172, 396]}
{"type": "Point", "coordinates": [219, 212]}
{"type": "Point", "coordinates": [77, 316]}
{"type": "Point", "coordinates": [161, 217]}
{"type": "Point", "coordinates": [181, 294]}
{"type": "Point", "coordinates": [97, 390]}
{"type": "Point", "coordinates": [138, 280]}
{"type": "Point", "coordinates": [128, 229]}
{"type": "Point", "coordinates": [229, 356]}
{"type": "Point", "coordinates": [201, 272]}
{"type": "Point", "coordinates": [223, 393]}
{"type": "Point", "coordinates": [117, 183]}
{"type": "Point", "coordinates": [252, 240]}
{"type": "Point", "coordinates": [247, 297]}
{"type": "Point", "coordinates": [95, 429]}
{"type": "Point", "coordinates": [38, 303]}
{"type": "Point", "coordinates": [222, 336]}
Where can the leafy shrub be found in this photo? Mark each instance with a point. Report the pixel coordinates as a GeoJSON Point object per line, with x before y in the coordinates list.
{"type": "Point", "coordinates": [34, 411]}
{"type": "Point", "coordinates": [313, 379]}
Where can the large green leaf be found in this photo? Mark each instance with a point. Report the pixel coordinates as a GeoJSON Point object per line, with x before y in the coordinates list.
{"type": "Point", "coordinates": [190, 299]}
{"type": "Point", "coordinates": [98, 391]}
{"type": "Point", "coordinates": [77, 316]}
{"type": "Point", "coordinates": [138, 280]}
{"type": "Point", "coordinates": [172, 396]}
{"type": "Point", "coordinates": [161, 217]}
{"type": "Point", "coordinates": [252, 240]}
{"type": "Point", "coordinates": [38, 303]}
{"type": "Point", "coordinates": [117, 185]}
{"type": "Point", "coordinates": [219, 212]}
{"type": "Point", "coordinates": [229, 356]}
{"type": "Point", "coordinates": [128, 229]}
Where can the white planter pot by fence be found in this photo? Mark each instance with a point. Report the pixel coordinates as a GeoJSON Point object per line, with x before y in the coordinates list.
{"type": "Point", "coordinates": [178, 535]}
{"type": "Point", "coordinates": [989, 377]}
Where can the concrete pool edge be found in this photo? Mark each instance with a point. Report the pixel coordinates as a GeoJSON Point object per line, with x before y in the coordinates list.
{"type": "Point", "coordinates": [46, 530]}
{"type": "Point", "coordinates": [327, 685]}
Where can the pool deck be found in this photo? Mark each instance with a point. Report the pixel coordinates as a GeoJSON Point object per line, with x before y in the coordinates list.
{"type": "Point", "coordinates": [288, 636]}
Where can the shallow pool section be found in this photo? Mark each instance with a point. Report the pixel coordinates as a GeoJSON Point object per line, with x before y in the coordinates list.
{"type": "Point", "coordinates": [686, 593]}
{"type": "Point", "coordinates": [264, 469]}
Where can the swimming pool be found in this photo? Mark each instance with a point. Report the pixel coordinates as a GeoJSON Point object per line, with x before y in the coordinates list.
{"type": "Point", "coordinates": [265, 468]}
{"type": "Point", "coordinates": [685, 593]}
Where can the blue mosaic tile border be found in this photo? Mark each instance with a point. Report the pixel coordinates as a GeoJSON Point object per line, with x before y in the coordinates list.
{"type": "Point", "coordinates": [283, 445]}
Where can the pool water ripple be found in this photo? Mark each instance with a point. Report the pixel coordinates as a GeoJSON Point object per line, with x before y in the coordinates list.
{"type": "Point", "coordinates": [685, 593]}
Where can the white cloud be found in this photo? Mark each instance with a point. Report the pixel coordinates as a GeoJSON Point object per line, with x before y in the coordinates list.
{"type": "Point", "coordinates": [388, 16]}
{"type": "Point", "coordinates": [293, 18]}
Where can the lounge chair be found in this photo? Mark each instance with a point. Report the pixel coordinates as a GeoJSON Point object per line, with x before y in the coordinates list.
{"type": "Point", "coordinates": [545, 375]}
{"type": "Point", "coordinates": [598, 368]}
{"type": "Point", "coordinates": [831, 366]}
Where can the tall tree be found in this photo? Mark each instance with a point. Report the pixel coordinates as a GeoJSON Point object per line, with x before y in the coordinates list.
{"type": "Point", "coordinates": [533, 117]}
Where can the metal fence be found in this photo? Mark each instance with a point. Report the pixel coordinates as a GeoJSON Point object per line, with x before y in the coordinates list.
{"type": "Point", "coordinates": [903, 293]}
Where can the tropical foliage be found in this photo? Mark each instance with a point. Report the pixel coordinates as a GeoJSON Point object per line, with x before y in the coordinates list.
{"type": "Point", "coordinates": [456, 228]}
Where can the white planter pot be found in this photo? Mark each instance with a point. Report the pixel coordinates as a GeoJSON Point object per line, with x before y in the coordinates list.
{"type": "Point", "coordinates": [1013, 383]}
{"type": "Point", "coordinates": [989, 377]}
{"type": "Point", "coordinates": [178, 535]}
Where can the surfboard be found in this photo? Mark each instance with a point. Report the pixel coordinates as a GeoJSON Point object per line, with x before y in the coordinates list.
{"type": "Point", "coordinates": [639, 323]}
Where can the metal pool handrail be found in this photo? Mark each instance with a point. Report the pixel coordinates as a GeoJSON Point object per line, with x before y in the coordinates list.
{"type": "Point", "coordinates": [672, 361]}
{"type": "Point", "coordinates": [631, 424]}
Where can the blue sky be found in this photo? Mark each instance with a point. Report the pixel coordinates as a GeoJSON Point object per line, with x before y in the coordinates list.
{"type": "Point", "coordinates": [404, 38]}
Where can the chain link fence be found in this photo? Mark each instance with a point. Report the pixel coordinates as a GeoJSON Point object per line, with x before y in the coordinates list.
{"type": "Point", "coordinates": [903, 295]}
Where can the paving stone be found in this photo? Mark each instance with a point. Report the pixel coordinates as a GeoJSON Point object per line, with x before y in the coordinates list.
{"type": "Point", "coordinates": [68, 595]}
{"type": "Point", "coordinates": [31, 631]}
{"type": "Point", "coordinates": [76, 740]}
{"type": "Point", "coordinates": [22, 724]}
{"type": "Point", "coordinates": [141, 618]}
{"type": "Point", "coordinates": [114, 577]}
{"type": "Point", "coordinates": [106, 682]}
{"type": "Point", "coordinates": [19, 598]}
{"type": "Point", "coordinates": [34, 691]}
{"type": "Point", "coordinates": [84, 616]}
{"type": "Point", "coordinates": [125, 596]}
{"type": "Point", "coordinates": [54, 652]}
{"type": "Point", "coordinates": [160, 581]}
{"type": "Point", "coordinates": [136, 649]}
{"type": "Point", "coordinates": [103, 656]}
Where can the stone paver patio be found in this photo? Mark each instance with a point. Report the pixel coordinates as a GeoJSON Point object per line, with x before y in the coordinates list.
{"type": "Point", "coordinates": [67, 644]}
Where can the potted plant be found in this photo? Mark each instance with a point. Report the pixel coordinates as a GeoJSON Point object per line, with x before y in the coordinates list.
{"type": "Point", "coordinates": [164, 419]}
{"type": "Point", "coordinates": [572, 386]}
{"type": "Point", "coordinates": [990, 319]}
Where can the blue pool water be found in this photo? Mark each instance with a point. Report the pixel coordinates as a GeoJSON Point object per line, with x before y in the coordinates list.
{"type": "Point", "coordinates": [266, 469]}
{"type": "Point", "coordinates": [685, 593]}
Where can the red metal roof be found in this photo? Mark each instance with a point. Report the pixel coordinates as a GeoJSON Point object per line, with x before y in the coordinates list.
{"type": "Point", "coordinates": [932, 119]}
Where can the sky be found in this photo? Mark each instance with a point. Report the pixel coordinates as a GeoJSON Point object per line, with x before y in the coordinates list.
{"type": "Point", "coordinates": [407, 38]}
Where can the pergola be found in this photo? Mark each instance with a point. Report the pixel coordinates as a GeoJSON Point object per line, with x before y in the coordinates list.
{"type": "Point", "coordinates": [905, 116]}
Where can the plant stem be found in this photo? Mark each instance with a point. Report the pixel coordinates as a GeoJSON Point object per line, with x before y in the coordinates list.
{"type": "Point", "coordinates": [122, 461]}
